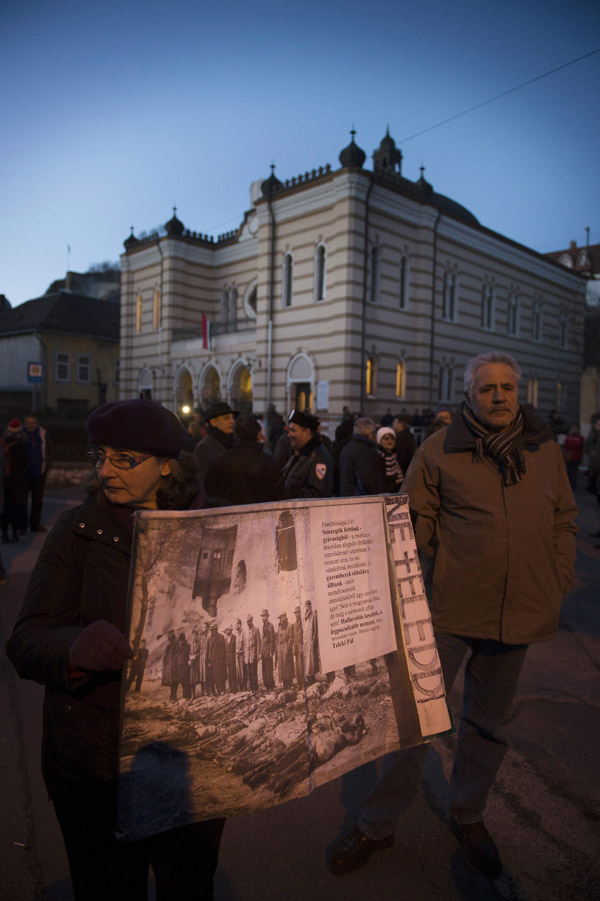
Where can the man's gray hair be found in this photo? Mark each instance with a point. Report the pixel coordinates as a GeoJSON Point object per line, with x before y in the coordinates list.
{"type": "Point", "coordinates": [364, 426]}
{"type": "Point", "coordinates": [495, 356]}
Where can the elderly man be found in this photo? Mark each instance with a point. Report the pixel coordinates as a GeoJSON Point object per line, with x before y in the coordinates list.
{"type": "Point", "coordinates": [309, 471]}
{"type": "Point", "coordinates": [220, 423]}
{"type": "Point", "coordinates": [494, 513]}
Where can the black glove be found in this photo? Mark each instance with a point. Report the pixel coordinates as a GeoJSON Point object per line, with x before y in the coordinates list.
{"type": "Point", "coordinates": [101, 646]}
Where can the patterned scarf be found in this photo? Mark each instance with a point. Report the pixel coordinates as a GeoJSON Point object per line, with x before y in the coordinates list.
{"type": "Point", "coordinates": [500, 446]}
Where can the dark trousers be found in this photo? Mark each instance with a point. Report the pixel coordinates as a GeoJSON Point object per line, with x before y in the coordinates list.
{"type": "Point", "coordinates": [267, 671]}
{"type": "Point", "coordinates": [253, 675]}
{"type": "Point", "coordinates": [183, 860]}
{"type": "Point", "coordinates": [491, 678]}
{"type": "Point", "coordinates": [36, 489]}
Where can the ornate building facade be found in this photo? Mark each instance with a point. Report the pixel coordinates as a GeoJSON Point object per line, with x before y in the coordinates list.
{"type": "Point", "coordinates": [344, 286]}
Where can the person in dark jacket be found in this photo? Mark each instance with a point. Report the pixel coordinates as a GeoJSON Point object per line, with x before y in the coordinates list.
{"type": "Point", "coordinates": [220, 421]}
{"type": "Point", "coordinates": [245, 474]}
{"type": "Point", "coordinates": [14, 512]}
{"type": "Point", "coordinates": [343, 434]}
{"type": "Point", "coordinates": [309, 471]}
{"type": "Point", "coordinates": [405, 440]}
{"type": "Point", "coordinates": [69, 636]}
{"type": "Point", "coordinates": [39, 450]}
{"type": "Point", "coordinates": [361, 468]}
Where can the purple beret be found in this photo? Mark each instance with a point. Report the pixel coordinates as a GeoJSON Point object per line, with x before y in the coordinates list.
{"type": "Point", "coordinates": [140, 425]}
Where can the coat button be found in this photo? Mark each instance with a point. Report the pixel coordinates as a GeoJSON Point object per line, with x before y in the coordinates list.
{"type": "Point", "coordinates": [98, 531]}
{"type": "Point", "coordinates": [116, 538]}
{"type": "Point", "coordinates": [82, 525]}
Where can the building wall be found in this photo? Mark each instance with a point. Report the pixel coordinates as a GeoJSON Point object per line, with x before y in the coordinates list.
{"type": "Point", "coordinates": [327, 342]}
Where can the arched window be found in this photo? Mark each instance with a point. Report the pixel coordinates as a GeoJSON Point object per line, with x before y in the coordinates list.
{"type": "Point", "coordinates": [224, 307]}
{"type": "Point", "coordinates": [320, 271]}
{"type": "Point", "coordinates": [404, 276]}
{"type": "Point", "coordinates": [487, 307]}
{"type": "Point", "coordinates": [449, 306]}
{"type": "Point", "coordinates": [400, 379]}
{"type": "Point", "coordinates": [374, 259]}
{"type": "Point", "coordinates": [138, 313]}
{"type": "Point", "coordinates": [250, 298]}
{"type": "Point", "coordinates": [287, 280]}
{"type": "Point", "coordinates": [513, 315]}
{"type": "Point", "coordinates": [156, 310]}
{"type": "Point", "coordinates": [371, 376]}
{"type": "Point", "coordinates": [536, 321]}
{"type": "Point", "coordinates": [232, 316]}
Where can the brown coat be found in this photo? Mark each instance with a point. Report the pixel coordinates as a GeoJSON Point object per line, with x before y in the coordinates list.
{"type": "Point", "coordinates": [502, 558]}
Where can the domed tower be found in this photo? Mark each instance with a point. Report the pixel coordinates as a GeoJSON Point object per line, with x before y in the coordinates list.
{"type": "Point", "coordinates": [271, 184]}
{"type": "Point", "coordinates": [174, 227]}
{"type": "Point", "coordinates": [352, 156]}
{"type": "Point", "coordinates": [388, 157]}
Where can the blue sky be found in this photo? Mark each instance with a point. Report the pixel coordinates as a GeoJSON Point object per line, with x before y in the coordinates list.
{"type": "Point", "coordinates": [112, 113]}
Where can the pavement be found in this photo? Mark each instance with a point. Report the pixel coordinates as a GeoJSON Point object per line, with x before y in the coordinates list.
{"type": "Point", "coordinates": [544, 810]}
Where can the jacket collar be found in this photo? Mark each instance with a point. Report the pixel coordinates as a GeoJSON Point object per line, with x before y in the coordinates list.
{"type": "Point", "coordinates": [97, 521]}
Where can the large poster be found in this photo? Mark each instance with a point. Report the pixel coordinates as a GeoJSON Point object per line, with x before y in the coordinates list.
{"type": "Point", "coordinates": [277, 646]}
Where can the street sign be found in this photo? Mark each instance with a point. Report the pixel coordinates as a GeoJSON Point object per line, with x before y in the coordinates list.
{"type": "Point", "coordinates": [35, 372]}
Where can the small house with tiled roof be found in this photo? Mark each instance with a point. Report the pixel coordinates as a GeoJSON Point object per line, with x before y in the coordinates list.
{"type": "Point", "coordinates": [59, 352]}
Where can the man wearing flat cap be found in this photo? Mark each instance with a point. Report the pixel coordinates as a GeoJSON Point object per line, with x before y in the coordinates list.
{"type": "Point", "coordinates": [220, 421]}
{"type": "Point", "coordinates": [309, 471]}
{"type": "Point", "coordinates": [267, 650]}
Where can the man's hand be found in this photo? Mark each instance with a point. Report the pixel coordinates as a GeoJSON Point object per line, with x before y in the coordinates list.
{"type": "Point", "coordinates": [101, 646]}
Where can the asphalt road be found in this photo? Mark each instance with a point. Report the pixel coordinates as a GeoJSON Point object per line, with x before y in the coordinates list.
{"type": "Point", "coordinates": [544, 811]}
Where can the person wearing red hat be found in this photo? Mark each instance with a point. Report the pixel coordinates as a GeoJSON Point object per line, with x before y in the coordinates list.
{"type": "Point", "coordinates": [70, 637]}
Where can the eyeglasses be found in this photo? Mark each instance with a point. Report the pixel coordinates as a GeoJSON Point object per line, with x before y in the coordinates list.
{"type": "Point", "coordinates": [119, 461]}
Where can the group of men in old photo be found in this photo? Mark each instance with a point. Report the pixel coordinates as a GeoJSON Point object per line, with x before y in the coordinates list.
{"type": "Point", "coordinates": [238, 658]}
{"type": "Point", "coordinates": [493, 515]}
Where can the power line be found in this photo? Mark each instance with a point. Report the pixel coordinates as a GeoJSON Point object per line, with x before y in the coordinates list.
{"type": "Point", "coordinates": [498, 96]}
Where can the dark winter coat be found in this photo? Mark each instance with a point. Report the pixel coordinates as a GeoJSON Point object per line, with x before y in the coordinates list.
{"type": "Point", "coordinates": [245, 475]}
{"type": "Point", "coordinates": [213, 445]}
{"type": "Point", "coordinates": [361, 468]}
{"type": "Point", "coordinates": [81, 575]}
{"type": "Point", "coordinates": [309, 472]}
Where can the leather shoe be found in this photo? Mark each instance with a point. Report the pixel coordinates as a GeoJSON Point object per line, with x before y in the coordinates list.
{"type": "Point", "coordinates": [354, 851]}
{"type": "Point", "coordinates": [479, 847]}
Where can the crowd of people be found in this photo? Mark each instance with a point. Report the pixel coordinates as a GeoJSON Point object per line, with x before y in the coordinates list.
{"type": "Point", "coordinates": [488, 493]}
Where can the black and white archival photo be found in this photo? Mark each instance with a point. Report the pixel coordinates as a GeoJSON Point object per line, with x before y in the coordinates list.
{"type": "Point", "coordinates": [276, 647]}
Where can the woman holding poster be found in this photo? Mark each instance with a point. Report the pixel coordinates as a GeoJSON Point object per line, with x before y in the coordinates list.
{"type": "Point", "coordinates": [70, 637]}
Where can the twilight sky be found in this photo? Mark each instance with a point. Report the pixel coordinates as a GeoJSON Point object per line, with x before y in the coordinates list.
{"type": "Point", "coordinates": [114, 112]}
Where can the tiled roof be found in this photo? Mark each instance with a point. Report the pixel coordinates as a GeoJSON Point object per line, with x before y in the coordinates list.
{"type": "Point", "coordinates": [64, 313]}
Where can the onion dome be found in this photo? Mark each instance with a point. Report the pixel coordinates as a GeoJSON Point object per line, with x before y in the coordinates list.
{"type": "Point", "coordinates": [352, 156]}
{"type": "Point", "coordinates": [131, 241]}
{"type": "Point", "coordinates": [423, 186]}
{"type": "Point", "coordinates": [271, 184]}
{"type": "Point", "coordinates": [388, 156]}
{"type": "Point", "coordinates": [174, 227]}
